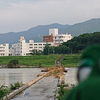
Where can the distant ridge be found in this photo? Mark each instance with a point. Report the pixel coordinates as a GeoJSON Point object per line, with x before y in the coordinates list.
{"type": "Point", "coordinates": [89, 26]}
{"type": "Point", "coordinates": [37, 32]}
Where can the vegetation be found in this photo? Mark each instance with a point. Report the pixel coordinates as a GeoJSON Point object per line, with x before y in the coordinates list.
{"type": "Point", "coordinates": [43, 60]}
{"type": "Point", "coordinates": [75, 45]}
{"type": "Point", "coordinates": [15, 86]}
{"type": "Point", "coordinates": [35, 52]}
{"type": "Point", "coordinates": [13, 64]}
{"type": "Point", "coordinates": [62, 92]}
{"type": "Point", "coordinates": [4, 90]}
{"type": "Point", "coordinates": [35, 60]}
{"type": "Point", "coordinates": [71, 60]}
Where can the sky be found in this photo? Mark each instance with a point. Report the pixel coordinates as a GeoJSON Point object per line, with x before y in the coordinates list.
{"type": "Point", "coordinates": [21, 15]}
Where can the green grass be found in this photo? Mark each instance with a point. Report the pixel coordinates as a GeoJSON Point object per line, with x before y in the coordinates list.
{"type": "Point", "coordinates": [45, 60]}
{"type": "Point", "coordinates": [71, 60]}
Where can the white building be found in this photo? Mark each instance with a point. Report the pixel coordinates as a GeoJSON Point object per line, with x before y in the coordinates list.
{"type": "Point", "coordinates": [4, 49]}
{"type": "Point", "coordinates": [22, 48]}
{"type": "Point", "coordinates": [59, 38]}
{"type": "Point", "coordinates": [53, 31]}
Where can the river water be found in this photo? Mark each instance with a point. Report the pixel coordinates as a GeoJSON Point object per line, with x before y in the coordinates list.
{"type": "Point", "coordinates": [24, 75]}
{"type": "Point", "coordinates": [70, 76]}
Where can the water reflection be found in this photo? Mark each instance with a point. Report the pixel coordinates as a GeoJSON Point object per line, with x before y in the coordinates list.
{"type": "Point", "coordinates": [8, 76]}
{"type": "Point", "coordinates": [70, 76]}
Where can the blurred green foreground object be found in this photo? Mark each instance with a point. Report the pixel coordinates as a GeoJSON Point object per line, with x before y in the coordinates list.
{"type": "Point", "coordinates": [89, 87]}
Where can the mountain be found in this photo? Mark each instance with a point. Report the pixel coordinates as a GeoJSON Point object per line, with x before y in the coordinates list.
{"type": "Point", "coordinates": [89, 26]}
{"type": "Point", "coordinates": [38, 32]}
{"type": "Point", "coordinates": [35, 33]}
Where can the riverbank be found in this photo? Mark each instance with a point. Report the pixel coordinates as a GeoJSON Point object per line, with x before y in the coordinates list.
{"type": "Point", "coordinates": [35, 60]}
{"type": "Point", "coordinates": [42, 60]}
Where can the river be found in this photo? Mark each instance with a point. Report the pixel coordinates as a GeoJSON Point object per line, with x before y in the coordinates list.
{"type": "Point", "coordinates": [70, 76]}
{"type": "Point", "coordinates": [24, 75]}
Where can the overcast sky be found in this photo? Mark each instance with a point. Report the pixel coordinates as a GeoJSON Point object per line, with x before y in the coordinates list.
{"type": "Point", "coordinates": [20, 15]}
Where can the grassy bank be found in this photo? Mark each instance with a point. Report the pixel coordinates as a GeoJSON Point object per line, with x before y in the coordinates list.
{"type": "Point", "coordinates": [71, 60]}
{"type": "Point", "coordinates": [45, 60]}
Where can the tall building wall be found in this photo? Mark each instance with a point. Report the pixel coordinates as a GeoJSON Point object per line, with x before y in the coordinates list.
{"type": "Point", "coordinates": [4, 49]}
{"type": "Point", "coordinates": [53, 32]}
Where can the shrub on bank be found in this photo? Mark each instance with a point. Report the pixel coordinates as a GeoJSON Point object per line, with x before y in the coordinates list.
{"type": "Point", "coordinates": [15, 86]}
{"type": "Point", "coordinates": [4, 90]}
{"type": "Point", "coordinates": [13, 64]}
{"type": "Point", "coordinates": [62, 92]}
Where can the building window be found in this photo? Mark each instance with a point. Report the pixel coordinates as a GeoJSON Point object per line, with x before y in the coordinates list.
{"type": "Point", "coordinates": [40, 44]}
{"type": "Point", "coordinates": [35, 44]}
{"type": "Point", "coordinates": [30, 47]}
{"type": "Point", "coordinates": [45, 37]}
{"type": "Point", "coordinates": [30, 44]}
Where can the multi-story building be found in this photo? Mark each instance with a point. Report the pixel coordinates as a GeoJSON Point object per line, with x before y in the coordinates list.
{"type": "Point", "coordinates": [4, 49]}
{"type": "Point", "coordinates": [23, 48]}
{"type": "Point", "coordinates": [60, 38]}
{"type": "Point", "coordinates": [48, 38]}
{"type": "Point", "coordinates": [56, 38]}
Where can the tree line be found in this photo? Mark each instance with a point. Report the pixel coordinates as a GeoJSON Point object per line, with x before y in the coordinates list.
{"type": "Point", "coordinates": [75, 45]}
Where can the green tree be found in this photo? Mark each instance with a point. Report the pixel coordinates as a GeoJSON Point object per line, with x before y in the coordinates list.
{"type": "Point", "coordinates": [35, 52]}
{"type": "Point", "coordinates": [13, 64]}
{"type": "Point", "coordinates": [46, 49]}
{"type": "Point", "coordinates": [80, 42]}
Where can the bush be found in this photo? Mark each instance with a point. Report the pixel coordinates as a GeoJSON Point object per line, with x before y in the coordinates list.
{"type": "Point", "coordinates": [13, 64]}
{"type": "Point", "coordinates": [4, 90]}
{"type": "Point", "coordinates": [12, 87]}
{"type": "Point", "coordinates": [62, 92]}
{"type": "Point", "coordinates": [17, 85]}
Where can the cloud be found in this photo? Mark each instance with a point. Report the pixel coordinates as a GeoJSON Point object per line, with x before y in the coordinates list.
{"type": "Point", "coordinates": [23, 14]}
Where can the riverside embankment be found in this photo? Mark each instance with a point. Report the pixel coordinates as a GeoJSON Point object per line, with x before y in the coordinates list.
{"type": "Point", "coordinates": [17, 91]}
{"type": "Point", "coordinates": [46, 88]}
